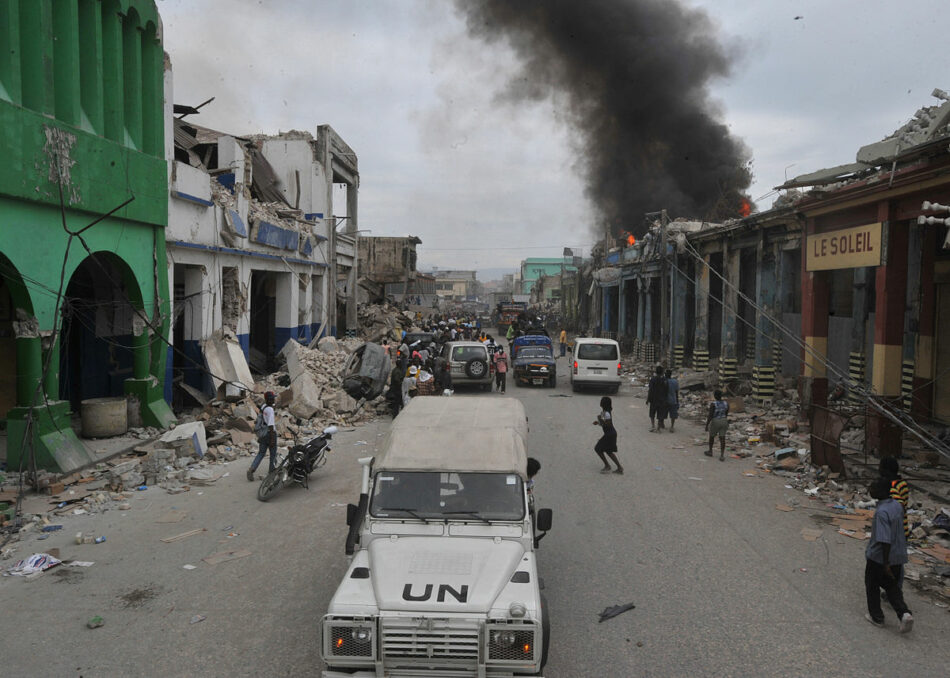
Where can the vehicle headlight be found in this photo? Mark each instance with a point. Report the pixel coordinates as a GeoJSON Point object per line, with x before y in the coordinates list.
{"type": "Point", "coordinates": [503, 639]}
{"type": "Point", "coordinates": [511, 643]}
{"type": "Point", "coordinates": [344, 638]}
{"type": "Point", "coordinates": [362, 634]}
{"type": "Point", "coordinates": [544, 369]}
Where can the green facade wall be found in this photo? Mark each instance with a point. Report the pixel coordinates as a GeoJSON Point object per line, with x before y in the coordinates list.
{"type": "Point", "coordinates": [81, 132]}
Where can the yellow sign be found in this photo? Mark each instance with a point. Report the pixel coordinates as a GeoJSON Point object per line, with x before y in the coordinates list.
{"type": "Point", "coordinates": [847, 248]}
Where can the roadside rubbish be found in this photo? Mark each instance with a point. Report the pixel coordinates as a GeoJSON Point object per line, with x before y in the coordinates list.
{"type": "Point", "coordinates": [100, 540]}
{"type": "Point", "coordinates": [51, 528]}
{"type": "Point", "coordinates": [38, 562]}
{"type": "Point", "coordinates": [224, 556]}
{"type": "Point", "coordinates": [611, 612]}
{"type": "Point", "coordinates": [197, 618]}
{"type": "Point", "coordinates": [95, 622]}
{"type": "Point", "coordinates": [183, 535]}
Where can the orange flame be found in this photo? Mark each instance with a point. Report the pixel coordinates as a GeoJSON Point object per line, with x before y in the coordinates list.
{"type": "Point", "coordinates": [631, 241]}
{"type": "Point", "coordinates": [745, 207]}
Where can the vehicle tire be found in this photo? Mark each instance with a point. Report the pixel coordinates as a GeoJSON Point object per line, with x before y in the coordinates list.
{"type": "Point", "coordinates": [271, 485]}
{"type": "Point", "coordinates": [546, 630]}
{"type": "Point", "coordinates": [476, 368]}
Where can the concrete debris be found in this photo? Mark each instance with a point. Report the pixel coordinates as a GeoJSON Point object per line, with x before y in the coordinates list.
{"type": "Point", "coordinates": [383, 321]}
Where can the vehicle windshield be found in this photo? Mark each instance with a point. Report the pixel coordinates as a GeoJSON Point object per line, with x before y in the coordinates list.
{"type": "Point", "coordinates": [463, 354]}
{"type": "Point", "coordinates": [447, 496]}
{"type": "Point", "coordinates": [534, 352]}
{"type": "Point", "coordinates": [597, 352]}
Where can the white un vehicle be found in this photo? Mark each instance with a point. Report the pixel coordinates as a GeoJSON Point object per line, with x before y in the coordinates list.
{"type": "Point", "coordinates": [444, 578]}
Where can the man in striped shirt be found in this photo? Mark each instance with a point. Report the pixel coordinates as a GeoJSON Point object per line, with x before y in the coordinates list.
{"type": "Point", "coordinates": [890, 471]}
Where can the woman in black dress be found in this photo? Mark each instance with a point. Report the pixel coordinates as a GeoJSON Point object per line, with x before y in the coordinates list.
{"type": "Point", "coordinates": [607, 445]}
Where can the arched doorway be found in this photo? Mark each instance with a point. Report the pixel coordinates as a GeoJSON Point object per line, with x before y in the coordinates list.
{"type": "Point", "coordinates": [100, 330]}
{"type": "Point", "coordinates": [16, 309]}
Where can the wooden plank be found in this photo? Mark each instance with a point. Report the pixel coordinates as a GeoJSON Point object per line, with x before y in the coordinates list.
{"type": "Point", "coordinates": [184, 535]}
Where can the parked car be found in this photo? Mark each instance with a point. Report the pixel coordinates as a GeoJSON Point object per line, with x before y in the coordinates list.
{"type": "Point", "coordinates": [366, 371]}
{"type": "Point", "coordinates": [596, 362]}
{"type": "Point", "coordinates": [533, 361]}
{"type": "Point", "coordinates": [468, 363]}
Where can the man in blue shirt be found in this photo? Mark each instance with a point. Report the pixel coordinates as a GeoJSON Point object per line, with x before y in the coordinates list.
{"type": "Point", "coordinates": [886, 554]}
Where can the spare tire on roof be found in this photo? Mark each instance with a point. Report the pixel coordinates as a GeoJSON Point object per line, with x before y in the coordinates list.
{"type": "Point", "coordinates": [476, 368]}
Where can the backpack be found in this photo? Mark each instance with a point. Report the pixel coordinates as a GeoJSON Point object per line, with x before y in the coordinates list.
{"type": "Point", "coordinates": [261, 429]}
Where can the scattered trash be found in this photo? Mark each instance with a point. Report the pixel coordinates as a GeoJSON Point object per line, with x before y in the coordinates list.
{"type": "Point", "coordinates": [189, 567]}
{"type": "Point", "coordinates": [611, 612]}
{"type": "Point", "coordinates": [224, 556]}
{"type": "Point", "coordinates": [79, 563]}
{"type": "Point", "coordinates": [694, 478]}
{"type": "Point", "coordinates": [184, 535]}
{"type": "Point", "coordinates": [38, 562]}
{"type": "Point", "coordinates": [810, 534]}
{"type": "Point", "coordinates": [52, 528]}
{"type": "Point", "coordinates": [142, 488]}
{"type": "Point", "coordinates": [172, 516]}
{"type": "Point", "coordinates": [197, 618]}
{"type": "Point", "coordinates": [95, 622]}
{"type": "Point", "coordinates": [783, 507]}
{"type": "Point", "coordinates": [100, 540]}
{"type": "Point", "coordinates": [361, 442]}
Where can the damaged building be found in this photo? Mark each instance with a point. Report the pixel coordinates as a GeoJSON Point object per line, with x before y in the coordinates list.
{"type": "Point", "coordinates": [83, 209]}
{"type": "Point", "coordinates": [846, 285]}
{"type": "Point", "coordinates": [254, 249]}
{"type": "Point", "coordinates": [385, 262]}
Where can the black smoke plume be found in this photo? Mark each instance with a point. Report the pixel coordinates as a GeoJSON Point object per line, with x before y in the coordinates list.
{"type": "Point", "coordinates": [635, 78]}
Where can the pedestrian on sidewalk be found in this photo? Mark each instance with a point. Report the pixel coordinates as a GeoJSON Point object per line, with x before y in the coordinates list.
{"type": "Point", "coordinates": [501, 368]}
{"type": "Point", "coordinates": [656, 399]}
{"type": "Point", "coordinates": [717, 421]}
{"type": "Point", "coordinates": [885, 556]}
{"type": "Point", "coordinates": [607, 445]}
{"type": "Point", "coordinates": [672, 398]}
{"type": "Point", "coordinates": [268, 439]}
{"type": "Point", "coordinates": [563, 341]}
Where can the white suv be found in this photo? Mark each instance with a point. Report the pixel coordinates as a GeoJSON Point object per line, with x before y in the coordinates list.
{"type": "Point", "coordinates": [596, 362]}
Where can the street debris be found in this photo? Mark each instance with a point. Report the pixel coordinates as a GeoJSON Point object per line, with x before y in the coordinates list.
{"type": "Point", "coordinates": [197, 618]}
{"type": "Point", "coordinates": [95, 622]}
{"type": "Point", "coordinates": [35, 564]}
{"type": "Point", "coordinates": [183, 535]}
{"type": "Point", "coordinates": [224, 556]}
{"type": "Point", "coordinates": [611, 612]}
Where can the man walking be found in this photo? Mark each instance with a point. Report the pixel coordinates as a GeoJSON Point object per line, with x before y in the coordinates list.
{"type": "Point", "coordinates": [885, 556]}
{"type": "Point", "coordinates": [656, 399]}
{"type": "Point", "coordinates": [716, 423]}
{"type": "Point", "coordinates": [563, 341]}
{"type": "Point", "coordinates": [672, 398]}
{"type": "Point", "coordinates": [501, 368]}
{"type": "Point", "coordinates": [267, 441]}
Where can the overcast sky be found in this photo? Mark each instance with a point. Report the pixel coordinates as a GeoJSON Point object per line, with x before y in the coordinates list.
{"type": "Point", "coordinates": [485, 184]}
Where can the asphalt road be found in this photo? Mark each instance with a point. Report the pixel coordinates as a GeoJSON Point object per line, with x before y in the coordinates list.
{"type": "Point", "coordinates": [723, 583]}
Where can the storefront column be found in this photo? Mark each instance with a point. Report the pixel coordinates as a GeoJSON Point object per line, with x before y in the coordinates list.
{"type": "Point", "coordinates": [815, 295]}
{"type": "Point", "coordinates": [857, 359]}
{"type": "Point", "coordinates": [763, 370]}
{"type": "Point", "coordinates": [890, 298]}
{"type": "Point", "coordinates": [701, 332]}
{"type": "Point", "coordinates": [51, 378]}
{"type": "Point", "coordinates": [678, 301]}
{"type": "Point", "coordinates": [641, 309]}
{"type": "Point", "coordinates": [924, 364]}
{"type": "Point", "coordinates": [621, 309]}
{"type": "Point", "coordinates": [648, 346]}
{"type": "Point", "coordinates": [728, 355]}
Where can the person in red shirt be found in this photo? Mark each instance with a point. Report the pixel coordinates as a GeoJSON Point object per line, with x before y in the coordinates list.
{"type": "Point", "coordinates": [501, 368]}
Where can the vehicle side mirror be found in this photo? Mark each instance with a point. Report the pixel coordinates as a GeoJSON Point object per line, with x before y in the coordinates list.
{"type": "Point", "coordinates": [351, 510]}
{"type": "Point", "coordinates": [545, 516]}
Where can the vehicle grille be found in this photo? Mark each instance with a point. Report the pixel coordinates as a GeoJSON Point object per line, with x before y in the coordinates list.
{"type": "Point", "coordinates": [521, 650]}
{"type": "Point", "coordinates": [342, 643]}
{"type": "Point", "coordinates": [414, 639]}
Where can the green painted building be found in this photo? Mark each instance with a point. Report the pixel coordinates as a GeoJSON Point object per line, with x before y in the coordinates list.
{"type": "Point", "coordinates": [534, 268]}
{"type": "Point", "coordinates": [82, 142]}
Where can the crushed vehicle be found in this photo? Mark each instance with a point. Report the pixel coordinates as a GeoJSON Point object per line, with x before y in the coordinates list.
{"type": "Point", "coordinates": [444, 579]}
{"type": "Point", "coordinates": [533, 362]}
{"type": "Point", "coordinates": [366, 371]}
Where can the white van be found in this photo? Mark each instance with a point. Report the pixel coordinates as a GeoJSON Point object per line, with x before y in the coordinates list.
{"type": "Point", "coordinates": [596, 362]}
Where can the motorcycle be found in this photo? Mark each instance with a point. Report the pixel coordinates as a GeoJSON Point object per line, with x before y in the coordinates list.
{"type": "Point", "coordinates": [297, 465]}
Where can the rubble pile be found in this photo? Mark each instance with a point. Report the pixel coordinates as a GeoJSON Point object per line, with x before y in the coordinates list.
{"type": "Point", "coordinates": [382, 321]}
